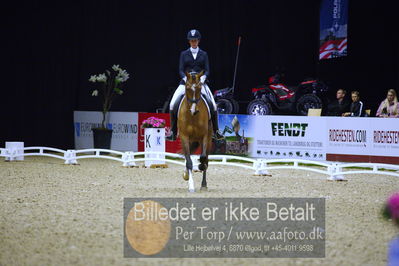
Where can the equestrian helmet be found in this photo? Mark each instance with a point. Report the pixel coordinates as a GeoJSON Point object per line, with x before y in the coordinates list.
{"type": "Point", "coordinates": [193, 35]}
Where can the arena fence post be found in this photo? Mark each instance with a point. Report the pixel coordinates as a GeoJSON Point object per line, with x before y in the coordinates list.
{"type": "Point", "coordinates": [70, 157]}
{"type": "Point", "coordinates": [128, 159]}
{"type": "Point", "coordinates": [334, 169]}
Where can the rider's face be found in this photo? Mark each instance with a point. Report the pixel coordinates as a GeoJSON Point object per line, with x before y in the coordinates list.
{"type": "Point", "coordinates": [194, 43]}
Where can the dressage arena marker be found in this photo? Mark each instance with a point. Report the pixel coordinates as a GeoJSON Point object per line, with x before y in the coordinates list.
{"type": "Point", "coordinates": [334, 170]}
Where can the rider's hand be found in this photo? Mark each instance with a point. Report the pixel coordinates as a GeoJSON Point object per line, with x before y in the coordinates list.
{"type": "Point", "coordinates": [203, 78]}
{"type": "Point", "coordinates": [184, 79]}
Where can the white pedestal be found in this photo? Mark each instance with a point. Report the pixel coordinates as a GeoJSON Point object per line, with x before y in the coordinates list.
{"type": "Point", "coordinates": [154, 140]}
{"type": "Point", "coordinates": [16, 148]}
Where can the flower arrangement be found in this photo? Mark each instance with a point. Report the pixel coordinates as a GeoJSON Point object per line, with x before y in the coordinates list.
{"type": "Point", "coordinates": [153, 122]}
{"type": "Point", "coordinates": [111, 86]}
{"type": "Point", "coordinates": [391, 208]}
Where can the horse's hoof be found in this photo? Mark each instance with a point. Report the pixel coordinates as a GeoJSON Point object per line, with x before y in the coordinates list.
{"type": "Point", "coordinates": [191, 190]}
{"type": "Point", "coordinates": [204, 188]}
{"type": "Point", "coordinates": [186, 176]}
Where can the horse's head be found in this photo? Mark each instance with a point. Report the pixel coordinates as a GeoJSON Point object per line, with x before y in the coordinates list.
{"type": "Point", "coordinates": [193, 90]}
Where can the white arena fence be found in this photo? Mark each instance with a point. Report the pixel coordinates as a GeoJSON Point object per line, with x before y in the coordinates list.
{"type": "Point", "coordinates": [334, 170]}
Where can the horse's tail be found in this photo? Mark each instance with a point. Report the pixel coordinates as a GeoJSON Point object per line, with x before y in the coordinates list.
{"type": "Point", "coordinates": [194, 146]}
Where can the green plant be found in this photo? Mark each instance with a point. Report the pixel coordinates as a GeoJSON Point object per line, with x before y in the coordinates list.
{"type": "Point", "coordinates": [111, 86]}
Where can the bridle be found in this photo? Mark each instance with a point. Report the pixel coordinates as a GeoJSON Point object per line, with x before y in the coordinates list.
{"type": "Point", "coordinates": [193, 101]}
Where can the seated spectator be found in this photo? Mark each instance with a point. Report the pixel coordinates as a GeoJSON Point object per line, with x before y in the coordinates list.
{"type": "Point", "coordinates": [356, 108]}
{"type": "Point", "coordinates": [389, 107]}
{"type": "Point", "coordinates": [338, 106]}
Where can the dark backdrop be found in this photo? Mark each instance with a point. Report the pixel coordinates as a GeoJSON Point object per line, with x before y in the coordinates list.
{"type": "Point", "coordinates": [51, 49]}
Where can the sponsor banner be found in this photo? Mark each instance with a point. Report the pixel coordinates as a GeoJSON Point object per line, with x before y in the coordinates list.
{"type": "Point", "coordinates": [294, 137]}
{"type": "Point", "coordinates": [348, 135]}
{"type": "Point", "coordinates": [170, 146]}
{"type": "Point", "coordinates": [224, 227]}
{"type": "Point", "coordinates": [363, 140]}
{"type": "Point", "coordinates": [238, 132]}
{"type": "Point", "coordinates": [333, 28]}
{"type": "Point", "coordinates": [123, 124]}
{"type": "Point", "coordinates": [385, 137]}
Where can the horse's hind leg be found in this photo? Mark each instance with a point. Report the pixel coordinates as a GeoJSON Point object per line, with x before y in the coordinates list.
{"type": "Point", "coordinates": [203, 184]}
{"type": "Point", "coordinates": [203, 165]}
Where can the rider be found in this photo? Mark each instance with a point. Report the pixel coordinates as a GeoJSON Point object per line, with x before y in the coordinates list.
{"type": "Point", "coordinates": [193, 59]}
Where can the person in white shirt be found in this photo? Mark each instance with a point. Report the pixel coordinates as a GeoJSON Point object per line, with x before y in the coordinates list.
{"type": "Point", "coordinates": [193, 60]}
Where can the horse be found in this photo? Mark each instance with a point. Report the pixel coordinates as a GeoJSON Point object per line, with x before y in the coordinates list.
{"type": "Point", "coordinates": [195, 128]}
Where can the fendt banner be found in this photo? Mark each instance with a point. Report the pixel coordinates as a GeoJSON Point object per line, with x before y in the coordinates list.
{"type": "Point", "coordinates": [289, 137]}
{"type": "Point", "coordinates": [333, 29]}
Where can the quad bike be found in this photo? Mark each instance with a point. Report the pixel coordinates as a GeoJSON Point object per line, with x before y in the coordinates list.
{"type": "Point", "coordinates": [276, 97]}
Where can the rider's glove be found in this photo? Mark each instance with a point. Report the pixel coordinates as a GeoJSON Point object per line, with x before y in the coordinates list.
{"type": "Point", "coordinates": [202, 79]}
{"type": "Point", "coordinates": [184, 79]}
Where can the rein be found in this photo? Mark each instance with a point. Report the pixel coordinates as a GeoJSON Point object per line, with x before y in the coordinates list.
{"type": "Point", "coordinates": [193, 102]}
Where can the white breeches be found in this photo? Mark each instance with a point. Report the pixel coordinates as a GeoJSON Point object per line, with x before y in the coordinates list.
{"type": "Point", "coordinates": [205, 91]}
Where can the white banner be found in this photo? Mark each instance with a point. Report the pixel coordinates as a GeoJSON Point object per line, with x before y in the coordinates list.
{"type": "Point", "coordinates": [385, 137]}
{"type": "Point", "coordinates": [349, 135]}
{"type": "Point", "coordinates": [123, 124]}
{"type": "Point", "coordinates": [363, 139]}
{"type": "Point", "coordinates": [289, 137]}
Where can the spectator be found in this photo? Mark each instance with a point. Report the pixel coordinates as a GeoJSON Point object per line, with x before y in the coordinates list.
{"type": "Point", "coordinates": [356, 109]}
{"type": "Point", "coordinates": [338, 106]}
{"type": "Point", "coordinates": [389, 107]}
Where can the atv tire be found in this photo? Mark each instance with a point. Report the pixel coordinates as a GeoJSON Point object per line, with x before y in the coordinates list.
{"type": "Point", "coordinates": [225, 106]}
{"type": "Point", "coordinates": [306, 102]}
{"type": "Point", "coordinates": [259, 107]}
{"type": "Point", "coordinates": [236, 106]}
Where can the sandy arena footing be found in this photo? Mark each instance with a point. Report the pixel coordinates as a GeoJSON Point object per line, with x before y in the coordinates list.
{"type": "Point", "coordinates": [56, 214]}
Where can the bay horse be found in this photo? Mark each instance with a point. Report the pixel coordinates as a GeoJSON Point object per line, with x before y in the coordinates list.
{"type": "Point", "coordinates": [195, 128]}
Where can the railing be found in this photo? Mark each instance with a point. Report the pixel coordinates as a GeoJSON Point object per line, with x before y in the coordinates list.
{"type": "Point", "coordinates": [333, 170]}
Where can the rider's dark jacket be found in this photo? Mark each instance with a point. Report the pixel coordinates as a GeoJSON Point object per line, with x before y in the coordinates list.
{"type": "Point", "coordinates": [189, 64]}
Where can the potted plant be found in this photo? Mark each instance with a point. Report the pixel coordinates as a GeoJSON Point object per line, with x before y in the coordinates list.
{"type": "Point", "coordinates": [111, 83]}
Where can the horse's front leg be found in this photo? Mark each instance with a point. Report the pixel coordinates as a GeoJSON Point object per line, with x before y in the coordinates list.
{"type": "Point", "coordinates": [188, 174]}
{"type": "Point", "coordinates": [204, 165]}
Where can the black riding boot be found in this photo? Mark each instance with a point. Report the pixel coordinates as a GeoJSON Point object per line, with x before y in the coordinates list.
{"type": "Point", "coordinates": [173, 126]}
